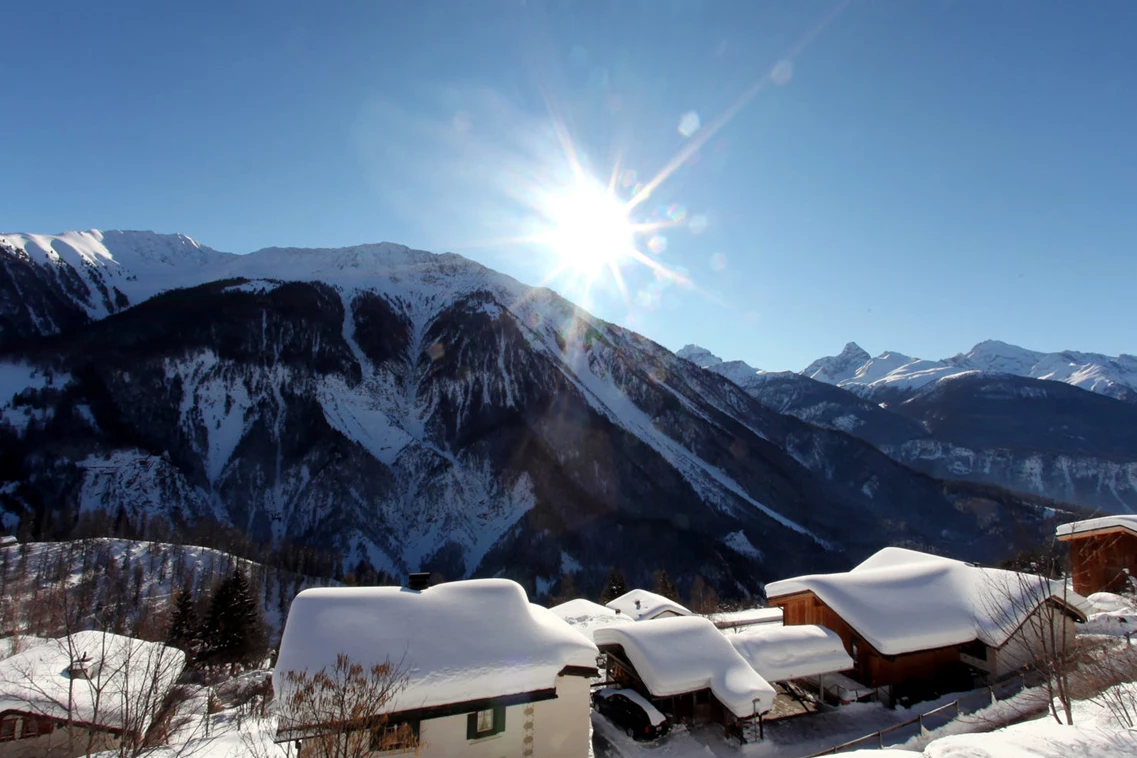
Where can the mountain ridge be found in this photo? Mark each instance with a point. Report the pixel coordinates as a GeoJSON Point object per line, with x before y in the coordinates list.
{"type": "Point", "coordinates": [422, 411]}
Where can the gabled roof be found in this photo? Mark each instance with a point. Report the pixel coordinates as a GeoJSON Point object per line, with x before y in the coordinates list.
{"type": "Point", "coordinates": [121, 671]}
{"type": "Point", "coordinates": [1124, 521]}
{"type": "Point", "coordinates": [586, 616]}
{"type": "Point", "coordinates": [781, 653]}
{"type": "Point", "coordinates": [673, 656]}
{"type": "Point", "coordinates": [901, 601]}
{"type": "Point", "coordinates": [456, 642]}
{"type": "Point", "coordinates": [641, 605]}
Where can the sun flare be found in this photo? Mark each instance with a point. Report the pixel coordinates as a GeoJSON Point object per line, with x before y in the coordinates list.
{"type": "Point", "coordinates": [589, 229]}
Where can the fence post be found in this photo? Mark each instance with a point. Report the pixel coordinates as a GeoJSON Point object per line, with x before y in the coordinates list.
{"type": "Point", "coordinates": [923, 731]}
{"type": "Point", "coordinates": [880, 740]}
{"type": "Point", "coordinates": [991, 691]}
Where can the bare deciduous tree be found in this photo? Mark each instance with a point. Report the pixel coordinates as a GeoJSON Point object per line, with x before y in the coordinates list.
{"type": "Point", "coordinates": [339, 712]}
{"type": "Point", "coordinates": [1034, 614]}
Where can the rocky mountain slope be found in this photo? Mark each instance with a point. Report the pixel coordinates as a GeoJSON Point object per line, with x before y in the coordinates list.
{"type": "Point", "coordinates": [423, 412]}
{"type": "Point", "coordinates": [978, 424]}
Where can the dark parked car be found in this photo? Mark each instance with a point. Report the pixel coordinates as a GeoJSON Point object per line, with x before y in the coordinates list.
{"type": "Point", "coordinates": [632, 712]}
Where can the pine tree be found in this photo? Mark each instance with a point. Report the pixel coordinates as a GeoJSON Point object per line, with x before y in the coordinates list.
{"type": "Point", "coordinates": [232, 633]}
{"type": "Point", "coordinates": [663, 585]}
{"type": "Point", "coordinates": [616, 585]}
{"type": "Point", "coordinates": [185, 632]}
{"type": "Point", "coordinates": [567, 590]}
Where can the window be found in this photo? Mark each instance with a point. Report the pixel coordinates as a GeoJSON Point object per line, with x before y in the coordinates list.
{"type": "Point", "coordinates": [8, 728]}
{"type": "Point", "coordinates": [36, 727]}
{"type": "Point", "coordinates": [485, 723]}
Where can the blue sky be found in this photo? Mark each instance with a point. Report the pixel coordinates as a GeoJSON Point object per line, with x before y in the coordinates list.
{"type": "Point", "coordinates": [917, 176]}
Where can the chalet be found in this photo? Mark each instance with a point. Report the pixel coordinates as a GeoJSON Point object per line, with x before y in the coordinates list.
{"type": "Point", "coordinates": [484, 671]}
{"type": "Point", "coordinates": [916, 624]}
{"type": "Point", "coordinates": [641, 605]}
{"type": "Point", "coordinates": [689, 671]}
{"type": "Point", "coordinates": [1103, 552]}
{"type": "Point", "coordinates": [585, 615]}
{"type": "Point", "coordinates": [82, 694]}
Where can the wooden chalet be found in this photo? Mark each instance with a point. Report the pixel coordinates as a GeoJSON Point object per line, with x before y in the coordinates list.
{"type": "Point", "coordinates": [918, 625]}
{"type": "Point", "coordinates": [1103, 552]}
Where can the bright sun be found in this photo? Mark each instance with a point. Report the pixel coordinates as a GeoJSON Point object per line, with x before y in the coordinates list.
{"type": "Point", "coordinates": [590, 229]}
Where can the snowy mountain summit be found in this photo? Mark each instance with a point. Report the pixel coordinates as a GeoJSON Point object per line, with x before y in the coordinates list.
{"type": "Point", "coordinates": [835, 369]}
{"type": "Point", "coordinates": [854, 370]}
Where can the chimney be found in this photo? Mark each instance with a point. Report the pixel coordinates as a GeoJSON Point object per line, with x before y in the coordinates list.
{"type": "Point", "coordinates": [78, 668]}
{"type": "Point", "coordinates": [418, 581]}
{"type": "Point", "coordinates": [637, 605]}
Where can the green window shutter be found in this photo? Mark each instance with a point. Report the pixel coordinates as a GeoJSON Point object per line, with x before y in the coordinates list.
{"type": "Point", "coordinates": [498, 719]}
{"type": "Point", "coordinates": [472, 726]}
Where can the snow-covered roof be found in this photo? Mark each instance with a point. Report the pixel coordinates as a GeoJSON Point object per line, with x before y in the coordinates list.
{"type": "Point", "coordinates": [1127, 521]}
{"type": "Point", "coordinates": [903, 600]}
{"type": "Point", "coordinates": [456, 642]}
{"type": "Point", "coordinates": [126, 678]}
{"type": "Point", "coordinates": [654, 714]}
{"type": "Point", "coordinates": [781, 653]}
{"type": "Point", "coordinates": [686, 654]}
{"type": "Point", "coordinates": [641, 605]}
{"type": "Point", "coordinates": [586, 616]}
{"type": "Point", "coordinates": [748, 617]}
{"type": "Point", "coordinates": [8, 539]}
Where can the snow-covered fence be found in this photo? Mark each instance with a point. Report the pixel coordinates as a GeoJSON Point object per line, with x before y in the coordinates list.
{"type": "Point", "coordinates": [935, 718]}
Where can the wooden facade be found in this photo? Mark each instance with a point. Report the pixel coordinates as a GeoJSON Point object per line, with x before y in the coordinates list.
{"type": "Point", "coordinates": [1102, 560]}
{"type": "Point", "coordinates": [938, 669]}
{"type": "Point", "coordinates": [24, 734]}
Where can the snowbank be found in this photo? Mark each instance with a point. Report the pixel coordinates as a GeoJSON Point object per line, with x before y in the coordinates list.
{"type": "Point", "coordinates": [902, 600]}
{"type": "Point", "coordinates": [586, 616]}
{"type": "Point", "coordinates": [781, 653]}
{"type": "Point", "coordinates": [641, 605]}
{"type": "Point", "coordinates": [126, 679]}
{"type": "Point", "coordinates": [1127, 521]}
{"type": "Point", "coordinates": [674, 656]}
{"type": "Point", "coordinates": [457, 641]}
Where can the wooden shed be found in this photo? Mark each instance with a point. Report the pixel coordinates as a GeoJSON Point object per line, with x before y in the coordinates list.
{"type": "Point", "coordinates": [1103, 552]}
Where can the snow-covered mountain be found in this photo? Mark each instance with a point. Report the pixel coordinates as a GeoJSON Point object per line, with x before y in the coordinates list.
{"type": "Point", "coordinates": [423, 412]}
{"type": "Point", "coordinates": [978, 417]}
{"type": "Point", "coordinates": [892, 373]}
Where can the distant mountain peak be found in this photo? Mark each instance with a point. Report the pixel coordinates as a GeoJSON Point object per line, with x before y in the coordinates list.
{"type": "Point", "coordinates": [700, 356]}
{"type": "Point", "coordinates": [834, 369]}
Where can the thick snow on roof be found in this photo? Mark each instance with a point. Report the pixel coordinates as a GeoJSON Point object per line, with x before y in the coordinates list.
{"type": "Point", "coordinates": [903, 600]}
{"type": "Point", "coordinates": [457, 641]}
{"type": "Point", "coordinates": [685, 654]}
{"type": "Point", "coordinates": [654, 715]}
{"type": "Point", "coordinates": [641, 605]}
{"type": "Point", "coordinates": [126, 677]}
{"type": "Point", "coordinates": [585, 616]}
{"type": "Point", "coordinates": [1121, 521]}
{"type": "Point", "coordinates": [748, 617]}
{"type": "Point", "coordinates": [780, 653]}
